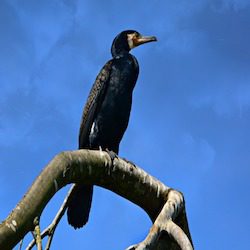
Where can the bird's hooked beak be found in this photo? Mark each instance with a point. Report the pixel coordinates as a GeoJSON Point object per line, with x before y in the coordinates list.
{"type": "Point", "coordinates": [135, 40]}
{"type": "Point", "coordinates": [144, 39]}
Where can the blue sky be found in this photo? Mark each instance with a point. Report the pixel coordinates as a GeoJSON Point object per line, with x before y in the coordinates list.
{"type": "Point", "coordinates": [189, 125]}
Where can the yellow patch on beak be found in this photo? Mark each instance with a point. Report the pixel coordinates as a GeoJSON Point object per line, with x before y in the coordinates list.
{"type": "Point", "coordinates": [131, 38]}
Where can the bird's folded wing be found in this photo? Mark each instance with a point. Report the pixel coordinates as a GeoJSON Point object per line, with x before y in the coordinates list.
{"type": "Point", "coordinates": [94, 101]}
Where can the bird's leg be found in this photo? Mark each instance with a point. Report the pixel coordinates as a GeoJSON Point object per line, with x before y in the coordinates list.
{"type": "Point", "coordinates": [111, 154]}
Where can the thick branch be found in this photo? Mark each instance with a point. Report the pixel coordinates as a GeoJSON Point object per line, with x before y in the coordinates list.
{"type": "Point", "coordinates": [89, 167]}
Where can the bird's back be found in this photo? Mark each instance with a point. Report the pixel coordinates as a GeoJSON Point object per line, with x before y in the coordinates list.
{"type": "Point", "coordinates": [93, 103]}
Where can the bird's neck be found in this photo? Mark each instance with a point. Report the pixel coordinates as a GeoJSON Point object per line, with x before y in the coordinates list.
{"type": "Point", "coordinates": [116, 53]}
{"type": "Point", "coordinates": [119, 51]}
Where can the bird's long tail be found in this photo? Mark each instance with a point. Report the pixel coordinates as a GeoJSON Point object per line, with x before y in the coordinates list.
{"type": "Point", "coordinates": [79, 205]}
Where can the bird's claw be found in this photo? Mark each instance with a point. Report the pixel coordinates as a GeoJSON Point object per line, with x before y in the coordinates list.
{"type": "Point", "coordinates": [112, 155]}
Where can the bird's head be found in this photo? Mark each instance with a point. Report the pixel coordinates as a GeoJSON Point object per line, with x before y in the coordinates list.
{"type": "Point", "coordinates": [127, 40]}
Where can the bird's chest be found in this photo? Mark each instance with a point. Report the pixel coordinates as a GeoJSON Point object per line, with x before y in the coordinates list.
{"type": "Point", "coordinates": [111, 120]}
{"type": "Point", "coordinates": [118, 97]}
{"type": "Point", "coordinates": [116, 107]}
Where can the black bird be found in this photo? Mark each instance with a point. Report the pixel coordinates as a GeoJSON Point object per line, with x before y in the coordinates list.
{"type": "Point", "coordinates": [106, 113]}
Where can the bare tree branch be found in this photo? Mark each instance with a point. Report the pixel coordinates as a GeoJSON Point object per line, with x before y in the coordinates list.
{"type": "Point", "coordinates": [50, 230]}
{"type": "Point", "coordinates": [37, 234]}
{"type": "Point", "coordinates": [20, 244]}
{"type": "Point", "coordinates": [164, 223]}
{"type": "Point", "coordinates": [119, 176]}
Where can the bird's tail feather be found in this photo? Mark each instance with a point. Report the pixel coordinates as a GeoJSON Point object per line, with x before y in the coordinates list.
{"type": "Point", "coordinates": [79, 205]}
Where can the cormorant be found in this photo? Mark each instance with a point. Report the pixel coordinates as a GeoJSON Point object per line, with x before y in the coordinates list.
{"type": "Point", "coordinates": [106, 113]}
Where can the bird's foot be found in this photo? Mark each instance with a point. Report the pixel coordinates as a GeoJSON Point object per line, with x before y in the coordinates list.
{"type": "Point", "coordinates": [112, 155]}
